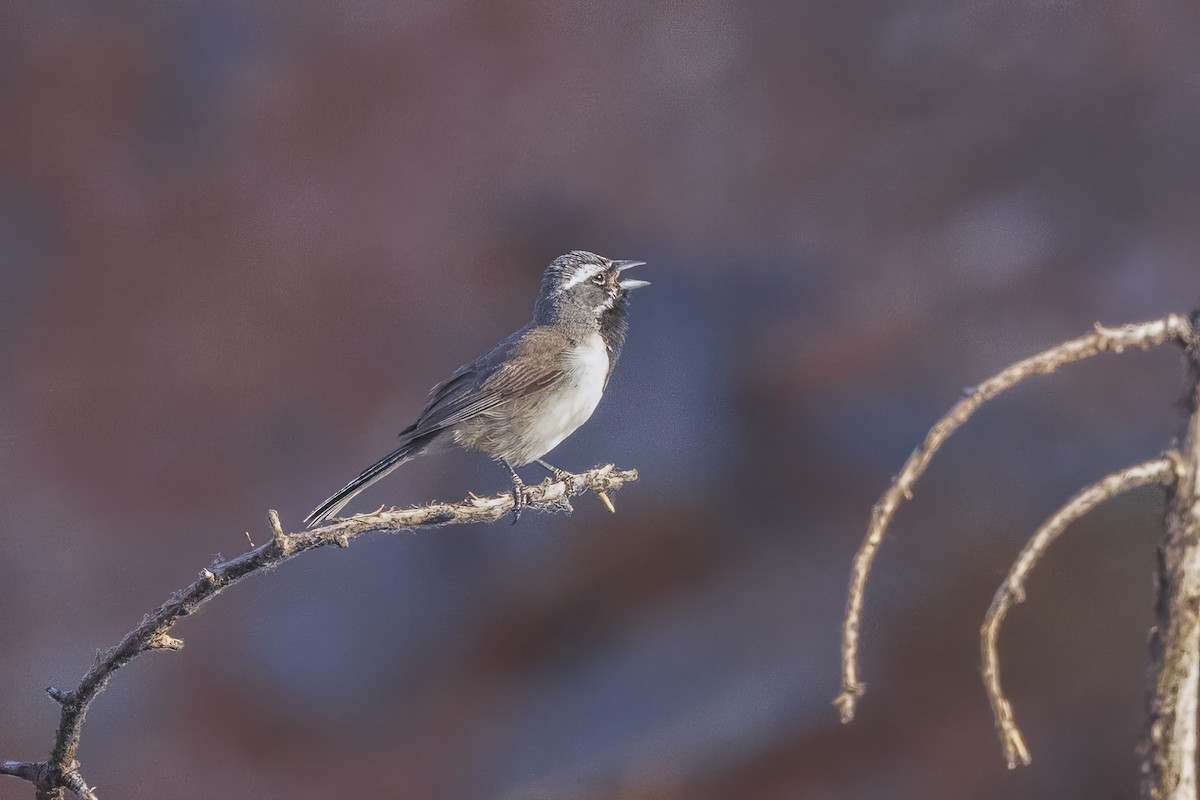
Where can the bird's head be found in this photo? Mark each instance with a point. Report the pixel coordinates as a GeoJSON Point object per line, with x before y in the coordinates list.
{"type": "Point", "coordinates": [584, 287]}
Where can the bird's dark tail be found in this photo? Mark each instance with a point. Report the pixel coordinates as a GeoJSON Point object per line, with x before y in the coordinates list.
{"type": "Point", "coordinates": [406, 452]}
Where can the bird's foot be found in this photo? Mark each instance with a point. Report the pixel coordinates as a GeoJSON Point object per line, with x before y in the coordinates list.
{"type": "Point", "coordinates": [559, 474]}
{"type": "Point", "coordinates": [519, 499]}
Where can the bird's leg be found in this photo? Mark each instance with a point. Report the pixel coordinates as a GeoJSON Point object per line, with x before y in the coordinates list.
{"type": "Point", "coordinates": [559, 474]}
{"type": "Point", "coordinates": [518, 491]}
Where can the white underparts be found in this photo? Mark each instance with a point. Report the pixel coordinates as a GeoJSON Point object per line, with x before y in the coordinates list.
{"type": "Point", "coordinates": [572, 402]}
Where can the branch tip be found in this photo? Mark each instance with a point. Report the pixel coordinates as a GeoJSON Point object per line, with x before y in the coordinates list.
{"type": "Point", "coordinates": [275, 522]}
{"type": "Point", "coordinates": [847, 702]}
{"type": "Point", "coordinates": [282, 541]}
{"type": "Point", "coordinates": [164, 641]}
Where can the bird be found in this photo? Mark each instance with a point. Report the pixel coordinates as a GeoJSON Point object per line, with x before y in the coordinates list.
{"type": "Point", "coordinates": [533, 389]}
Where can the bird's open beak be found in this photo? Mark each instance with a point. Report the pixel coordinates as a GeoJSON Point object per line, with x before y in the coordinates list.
{"type": "Point", "coordinates": [630, 283]}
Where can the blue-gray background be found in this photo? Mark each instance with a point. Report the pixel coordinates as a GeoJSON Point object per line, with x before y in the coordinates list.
{"type": "Point", "coordinates": [239, 242]}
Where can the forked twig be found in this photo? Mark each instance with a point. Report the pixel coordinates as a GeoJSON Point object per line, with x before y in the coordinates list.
{"type": "Point", "coordinates": [1173, 327]}
{"type": "Point", "coordinates": [1163, 471]}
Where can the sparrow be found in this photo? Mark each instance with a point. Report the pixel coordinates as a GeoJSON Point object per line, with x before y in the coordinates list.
{"type": "Point", "coordinates": [531, 391]}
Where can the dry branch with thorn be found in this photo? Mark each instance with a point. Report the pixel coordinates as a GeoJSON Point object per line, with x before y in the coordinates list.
{"type": "Point", "coordinates": [1171, 746]}
{"type": "Point", "coordinates": [61, 771]}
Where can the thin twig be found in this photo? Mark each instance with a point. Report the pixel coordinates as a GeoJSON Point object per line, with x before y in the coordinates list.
{"type": "Point", "coordinates": [1173, 327]}
{"type": "Point", "coordinates": [62, 771]}
{"type": "Point", "coordinates": [1162, 471]}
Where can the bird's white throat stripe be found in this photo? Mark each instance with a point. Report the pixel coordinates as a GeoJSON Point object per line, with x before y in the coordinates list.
{"type": "Point", "coordinates": [582, 273]}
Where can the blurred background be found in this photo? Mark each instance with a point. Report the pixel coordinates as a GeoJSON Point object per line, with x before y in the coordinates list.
{"type": "Point", "coordinates": [239, 242]}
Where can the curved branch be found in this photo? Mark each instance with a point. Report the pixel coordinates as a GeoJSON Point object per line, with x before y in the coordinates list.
{"type": "Point", "coordinates": [1163, 471]}
{"type": "Point", "coordinates": [153, 633]}
{"type": "Point", "coordinates": [1171, 328]}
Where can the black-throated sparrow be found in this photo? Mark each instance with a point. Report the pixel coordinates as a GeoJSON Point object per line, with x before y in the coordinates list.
{"type": "Point", "coordinates": [533, 389]}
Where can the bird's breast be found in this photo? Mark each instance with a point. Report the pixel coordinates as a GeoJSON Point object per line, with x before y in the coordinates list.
{"type": "Point", "coordinates": [559, 411]}
{"type": "Point", "coordinates": [587, 372]}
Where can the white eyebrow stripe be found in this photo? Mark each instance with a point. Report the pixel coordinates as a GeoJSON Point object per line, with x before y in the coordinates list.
{"type": "Point", "coordinates": [584, 272]}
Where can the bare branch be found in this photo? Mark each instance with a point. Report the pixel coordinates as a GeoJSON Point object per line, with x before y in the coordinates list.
{"type": "Point", "coordinates": [1171, 328]}
{"type": "Point", "coordinates": [153, 633]}
{"type": "Point", "coordinates": [1163, 471]}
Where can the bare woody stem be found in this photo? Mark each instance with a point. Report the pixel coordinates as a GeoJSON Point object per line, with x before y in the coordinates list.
{"type": "Point", "coordinates": [61, 771]}
{"type": "Point", "coordinates": [1170, 747]}
{"type": "Point", "coordinates": [1159, 471]}
{"type": "Point", "coordinates": [1172, 327]}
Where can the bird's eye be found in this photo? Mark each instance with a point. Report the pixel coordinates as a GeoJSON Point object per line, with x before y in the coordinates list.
{"type": "Point", "coordinates": [598, 280]}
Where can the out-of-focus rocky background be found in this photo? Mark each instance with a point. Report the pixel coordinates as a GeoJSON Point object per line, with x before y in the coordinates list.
{"type": "Point", "coordinates": [238, 243]}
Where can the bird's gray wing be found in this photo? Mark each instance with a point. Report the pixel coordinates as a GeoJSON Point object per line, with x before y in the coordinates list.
{"type": "Point", "coordinates": [528, 362]}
